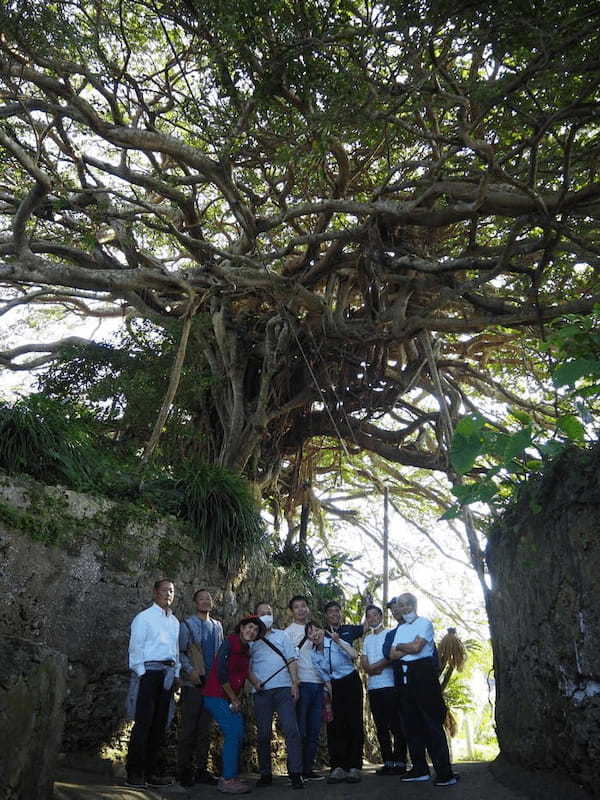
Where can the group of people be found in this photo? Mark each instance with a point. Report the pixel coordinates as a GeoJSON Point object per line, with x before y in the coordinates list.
{"type": "Point", "coordinates": [305, 673]}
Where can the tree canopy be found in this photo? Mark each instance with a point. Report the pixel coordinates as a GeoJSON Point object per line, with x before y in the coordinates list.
{"type": "Point", "coordinates": [353, 221]}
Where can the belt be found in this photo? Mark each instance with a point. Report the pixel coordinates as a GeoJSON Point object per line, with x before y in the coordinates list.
{"type": "Point", "coordinates": [167, 663]}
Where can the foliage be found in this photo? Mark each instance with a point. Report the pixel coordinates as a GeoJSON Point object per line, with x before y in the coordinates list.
{"type": "Point", "coordinates": [56, 443]}
{"type": "Point", "coordinates": [50, 441]}
{"type": "Point", "coordinates": [219, 505]}
{"type": "Point", "coordinates": [502, 459]}
{"type": "Point", "coordinates": [372, 212]}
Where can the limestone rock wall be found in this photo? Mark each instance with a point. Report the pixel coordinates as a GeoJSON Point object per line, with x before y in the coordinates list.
{"type": "Point", "coordinates": [74, 571]}
{"type": "Point", "coordinates": [32, 689]}
{"type": "Point", "coordinates": [544, 560]}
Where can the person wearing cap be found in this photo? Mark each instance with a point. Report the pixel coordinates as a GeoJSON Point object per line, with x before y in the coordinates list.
{"type": "Point", "coordinates": [412, 651]}
{"type": "Point", "coordinates": [155, 666]}
{"type": "Point", "coordinates": [383, 696]}
{"type": "Point", "coordinates": [274, 675]}
{"type": "Point", "coordinates": [224, 683]}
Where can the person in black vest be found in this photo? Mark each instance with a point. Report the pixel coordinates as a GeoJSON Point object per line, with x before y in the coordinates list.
{"type": "Point", "coordinates": [411, 648]}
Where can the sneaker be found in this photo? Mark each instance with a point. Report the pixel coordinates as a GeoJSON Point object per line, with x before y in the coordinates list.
{"type": "Point", "coordinates": [159, 780]}
{"type": "Point", "coordinates": [415, 775]}
{"type": "Point", "coordinates": [264, 780]}
{"type": "Point", "coordinates": [135, 779]}
{"type": "Point", "coordinates": [387, 769]}
{"type": "Point", "coordinates": [337, 775]}
{"type": "Point", "coordinates": [232, 786]}
{"type": "Point", "coordinates": [400, 769]}
{"type": "Point", "coordinates": [296, 781]}
{"type": "Point", "coordinates": [313, 776]}
{"type": "Point", "coordinates": [447, 781]}
{"type": "Point", "coordinates": [354, 775]}
{"type": "Point", "coordinates": [204, 776]}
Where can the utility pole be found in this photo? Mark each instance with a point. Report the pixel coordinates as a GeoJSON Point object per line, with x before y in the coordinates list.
{"type": "Point", "coordinates": [385, 554]}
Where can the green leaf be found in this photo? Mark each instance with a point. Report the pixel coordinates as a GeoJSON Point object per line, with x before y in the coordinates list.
{"type": "Point", "coordinates": [470, 424]}
{"type": "Point", "coordinates": [588, 391]}
{"type": "Point", "coordinates": [516, 443]}
{"type": "Point", "coordinates": [572, 427]}
{"type": "Point", "coordinates": [572, 371]}
{"type": "Point", "coordinates": [464, 452]}
{"type": "Point", "coordinates": [521, 416]}
{"type": "Point", "coordinates": [452, 513]}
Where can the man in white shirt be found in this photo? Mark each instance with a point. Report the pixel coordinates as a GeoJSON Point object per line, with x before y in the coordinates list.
{"type": "Point", "coordinates": [154, 661]}
{"type": "Point", "coordinates": [412, 650]}
{"type": "Point", "coordinates": [309, 707]}
{"type": "Point", "coordinates": [384, 701]}
{"type": "Point", "coordinates": [274, 675]}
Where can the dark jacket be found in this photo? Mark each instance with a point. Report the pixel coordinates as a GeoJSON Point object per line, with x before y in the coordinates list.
{"type": "Point", "coordinates": [231, 665]}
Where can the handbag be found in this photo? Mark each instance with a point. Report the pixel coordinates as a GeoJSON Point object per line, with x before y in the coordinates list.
{"type": "Point", "coordinates": [196, 656]}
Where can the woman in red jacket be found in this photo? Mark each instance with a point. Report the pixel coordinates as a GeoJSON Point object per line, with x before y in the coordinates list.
{"type": "Point", "coordinates": [223, 685]}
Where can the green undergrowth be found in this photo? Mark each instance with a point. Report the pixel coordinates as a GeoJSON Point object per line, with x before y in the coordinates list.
{"type": "Point", "coordinates": [61, 444]}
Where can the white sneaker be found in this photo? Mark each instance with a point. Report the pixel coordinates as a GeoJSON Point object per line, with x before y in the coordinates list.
{"type": "Point", "coordinates": [337, 775]}
{"type": "Point", "coordinates": [354, 775]}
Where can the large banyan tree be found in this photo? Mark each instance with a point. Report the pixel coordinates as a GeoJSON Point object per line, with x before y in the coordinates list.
{"type": "Point", "coordinates": [352, 213]}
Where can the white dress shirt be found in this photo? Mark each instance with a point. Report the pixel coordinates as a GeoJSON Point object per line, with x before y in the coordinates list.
{"type": "Point", "coordinates": [154, 637]}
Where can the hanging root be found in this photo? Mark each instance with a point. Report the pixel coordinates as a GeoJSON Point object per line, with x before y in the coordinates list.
{"type": "Point", "coordinates": [452, 651]}
{"type": "Point", "coordinates": [450, 724]}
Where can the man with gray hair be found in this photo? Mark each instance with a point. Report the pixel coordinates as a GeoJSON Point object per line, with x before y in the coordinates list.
{"type": "Point", "coordinates": [412, 652]}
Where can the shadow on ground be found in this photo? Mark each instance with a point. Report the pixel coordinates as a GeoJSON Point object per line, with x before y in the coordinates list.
{"type": "Point", "coordinates": [479, 781]}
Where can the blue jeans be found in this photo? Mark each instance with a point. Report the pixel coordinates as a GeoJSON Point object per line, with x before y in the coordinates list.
{"type": "Point", "coordinates": [308, 712]}
{"type": "Point", "coordinates": [232, 726]}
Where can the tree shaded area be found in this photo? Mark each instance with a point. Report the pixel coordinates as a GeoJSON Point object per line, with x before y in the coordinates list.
{"type": "Point", "coordinates": [352, 223]}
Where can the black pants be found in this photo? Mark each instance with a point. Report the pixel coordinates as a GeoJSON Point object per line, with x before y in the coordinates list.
{"type": "Point", "coordinates": [194, 737]}
{"type": "Point", "coordinates": [345, 734]}
{"type": "Point", "coordinates": [151, 714]}
{"type": "Point", "coordinates": [423, 713]}
{"type": "Point", "coordinates": [385, 708]}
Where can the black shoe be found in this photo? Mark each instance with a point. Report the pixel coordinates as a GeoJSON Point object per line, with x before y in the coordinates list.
{"type": "Point", "coordinates": [159, 780]}
{"type": "Point", "coordinates": [135, 779]}
{"type": "Point", "coordinates": [386, 770]}
{"type": "Point", "coordinates": [296, 781]}
{"type": "Point", "coordinates": [313, 776]}
{"type": "Point", "coordinates": [415, 775]}
{"type": "Point", "coordinates": [264, 780]}
{"type": "Point", "coordinates": [204, 776]}
{"type": "Point", "coordinates": [399, 769]}
{"type": "Point", "coordinates": [447, 781]}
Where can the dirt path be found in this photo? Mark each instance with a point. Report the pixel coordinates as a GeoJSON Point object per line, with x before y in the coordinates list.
{"type": "Point", "coordinates": [478, 782]}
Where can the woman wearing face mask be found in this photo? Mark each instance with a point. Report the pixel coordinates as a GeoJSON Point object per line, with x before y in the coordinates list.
{"type": "Point", "coordinates": [224, 683]}
{"type": "Point", "coordinates": [383, 696]}
{"type": "Point", "coordinates": [274, 675]}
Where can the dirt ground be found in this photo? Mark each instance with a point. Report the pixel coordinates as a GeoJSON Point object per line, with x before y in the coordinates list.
{"type": "Point", "coordinates": [479, 781]}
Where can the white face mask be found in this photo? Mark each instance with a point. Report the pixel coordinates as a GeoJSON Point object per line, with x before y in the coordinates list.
{"type": "Point", "coordinates": [410, 617]}
{"type": "Point", "coordinates": [267, 620]}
